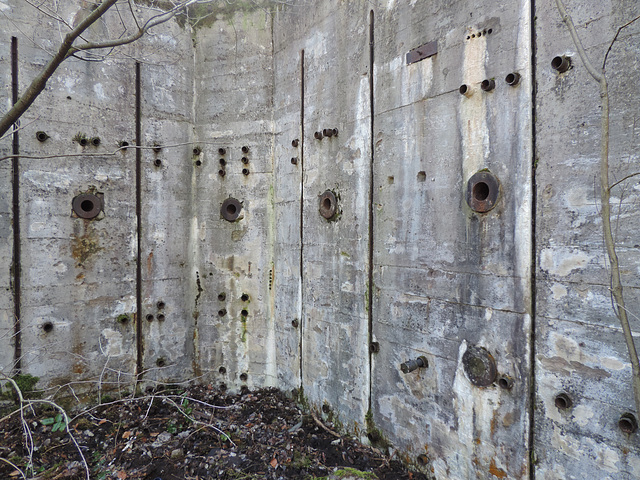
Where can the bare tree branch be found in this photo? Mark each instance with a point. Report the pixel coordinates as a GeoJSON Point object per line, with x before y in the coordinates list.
{"type": "Point", "coordinates": [604, 63]}
{"type": "Point", "coordinates": [67, 49]}
{"type": "Point", "coordinates": [617, 290]}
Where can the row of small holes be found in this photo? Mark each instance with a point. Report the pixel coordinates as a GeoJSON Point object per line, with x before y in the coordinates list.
{"type": "Point", "coordinates": [479, 34]}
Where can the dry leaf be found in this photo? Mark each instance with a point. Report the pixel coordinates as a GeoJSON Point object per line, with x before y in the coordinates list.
{"type": "Point", "coordinates": [104, 420]}
{"type": "Point", "coordinates": [274, 463]}
{"type": "Point", "coordinates": [122, 475]}
{"type": "Point", "coordinates": [126, 434]}
{"type": "Point", "coordinates": [15, 473]}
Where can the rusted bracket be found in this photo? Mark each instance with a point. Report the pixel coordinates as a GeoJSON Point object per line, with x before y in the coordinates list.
{"type": "Point", "coordinates": [423, 51]}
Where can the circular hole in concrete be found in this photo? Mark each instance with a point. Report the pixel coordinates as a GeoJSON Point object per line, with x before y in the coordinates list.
{"type": "Point", "coordinates": [157, 162]}
{"type": "Point", "coordinates": [490, 31]}
{"type": "Point", "coordinates": [480, 191]}
{"type": "Point", "coordinates": [222, 161]}
{"type": "Point", "coordinates": [463, 89]}
{"type": "Point", "coordinates": [244, 313]}
{"type": "Point", "coordinates": [223, 387]}
{"type": "Point", "coordinates": [160, 317]}
{"type": "Point", "coordinates": [47, 327]}
{"type": "Point", "coordinates": [245, 149]}
{"type": "Point", "coordinates": [42, 136]}
{"type": "Point", "coordinates": [563, 401]}
{"type": "Point", "coordinates": [160, 305]}
{"type": "Point", "coordinates": [149, 318]}
{"type": "Point", "coordinates": [222, 312]}
{"type": "Point", "coordinates": [628, 423]}
{"type": "Point", "coordinates": [160, 362]}
{"type": "Point", "coordinates": [231, 209]}
{"type": "Point", "coordinates": [245, 171]}
{"type": "Point", "coordinates": [222, 296]}
{"type": "Point", "coordinates": [244, 297]}
{"type": "Point", "coordinates": [198, 163]}
{"type": "Point", "coordinates": [295, 323]}
{"type": "Point", "coordinates": [244, 377]}
{"type": "Point", "coordinates": [244, 160]}
{"type": "Point", "coordinates": [222, 370]}
{"type": "Point", "coordinates": [222, 151]}
{"type": "Point", "coordinates": [221, 173]}
{"type": "Point", "coordinates": [87, 205]}
{"type": "Point", "coordinates": [95, 141]}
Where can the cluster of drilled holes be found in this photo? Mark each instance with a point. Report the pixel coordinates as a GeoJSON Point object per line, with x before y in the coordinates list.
{"type": "Point", "coordinates": [47, 327]}
{"type": "Point", "coordinates": [479, 34]}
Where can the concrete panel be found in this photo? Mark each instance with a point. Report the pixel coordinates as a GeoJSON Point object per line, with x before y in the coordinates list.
{"type": "Point", "coordinates": [335, 363]}
{"type": "Point", "coordinates": [287, 195]}
{"type": "Point", "coordinates": [233, 273]}
{"type": "Point", "coordinates": [447, 278]}
{"type": "Point", "coordinates": [580, 348]}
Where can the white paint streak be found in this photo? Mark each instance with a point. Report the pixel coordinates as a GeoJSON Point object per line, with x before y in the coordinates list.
{"type": "Point", "coordinates": [563, 261]}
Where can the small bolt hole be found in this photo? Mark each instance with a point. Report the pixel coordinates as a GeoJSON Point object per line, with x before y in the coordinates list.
{"type": "Point", "coordinates": [222, 162]}
{"type": "Point", "coordinates": [244, 313]}
{"type": "Point", "coordinates": [463, 89]}
{"type": "Point", "coordinates": [197, 151]}
{"type": "Point", "coordinates": [222, 151]}
{"type": "Point", "coordinates": [295, 323]}
{"type": "Point", "coordinates": [244, 160]}
{"type": "Point", "coordinates": [628, 423]}
{"type": "Point", "coordinates": [222, 296]}
{"type": "Point", "coordinates": [47, 327]}
{"type": "Point", "coordinates": [490, 31]}
{"type": "Point", "coordinates": [222, 370]}
{"type": "Point", "coordinates": [244, 377]}
{"type": "Point", "coordinates": [157, 162]}
{"type": "Point", "coordinates": [563, 401]}
{"type": "Point", "coordinates": [149, 318]}
{"type": "Point", "coordinates": [245, 171]}
{"type": "Point", "coordinates": [198, 163]}
{"type": "Point", "coordinates": [221, 173]}
{"type": "Point", "coordinates": [223, 387]}
{"type": "Point", "coordinates": [222, 312]}
{"type": "Point", "coordinates": [95, 141]}
{"type": "Point", "coordinates": [160, 305]}
{"type": "Point", "coordinates": [160, 317]}
{"type": "Point", "coordinates": [245, 149]}
{"type": "Point", "coordinates": [160, 362]}
{"type": "Point", "coordinates": [41, 136]}
{"type": "Point", "coordinates": [244, 297]}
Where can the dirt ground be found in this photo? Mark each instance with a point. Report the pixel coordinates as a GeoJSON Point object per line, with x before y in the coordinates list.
{"type": "Point", "coordinates": [201, 433]}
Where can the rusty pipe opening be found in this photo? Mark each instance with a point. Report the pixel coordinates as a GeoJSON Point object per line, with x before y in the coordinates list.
{"type": "Point", "coordinates": [41, 136]}
{"type": "Point", "coordinates": [328, 205]}
{"type": "Point", "coordinates": [411, 365]}
{"type": "Point", "coordinates": [512, 79]}
{"type": "Point", "coordinates": [483, 189]}
{"type": "Point", "coordinates": [561, 63]}
{"type": "Point", "coordinates": [563, 401]}
{"type": "Point", "coordinates": [317, 135]}
{"type": "Point", "coordinates": [230, 209]}
{"type": "Point", "coordinates": [480, 191]}
{"type": "Point", "coordinates": [327, 132]}
{"type": "Point", "coordinates": [628, 423]}
{"type": "Point", "coordinates": [87, 205]}
{"type": "Point", "coordinates": [465, 90]}
{"type": "Point", "coordinates": [505, 382]}
{"type": "Point", "coordinates": [488, 85]}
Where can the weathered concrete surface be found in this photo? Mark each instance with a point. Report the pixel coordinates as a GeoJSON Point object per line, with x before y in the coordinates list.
{"type": "Point", "coordinates": [444, 277]}
{"type": "Point", "coordinates": [447, 278]}
{"type": "Point", "coordinates": [580, 348]}
{"type": "Point", "coordinates": [234, 85]}
{"type": "Point", "coordinates": [6, 221]}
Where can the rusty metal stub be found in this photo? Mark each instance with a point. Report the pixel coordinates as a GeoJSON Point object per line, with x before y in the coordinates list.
{"type": "Point", "coordinates": [423, 51]}
{"type": "Point", "coordinates": [328, 205]}
{"type": "Point", "coordinates": [87, 205]}
{"type": "Point", "coordinates": [483, 190]}
{"type": "Point", "coordinates": [479, 366]}
{"type": "Point", "coordinates": [230, 209]}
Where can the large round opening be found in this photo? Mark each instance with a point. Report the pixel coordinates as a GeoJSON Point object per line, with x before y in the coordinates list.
{"type": "Point", "coordinates": [556, 63]}
{"type": "Point", "coordinates": [563, 401]}
{"type": "Point", "coordinates": [463, 89]}
{"type": "Point", "coordinates": [481, 191]}
{"type": "Point", "coordinates": [86, 205]}
{"type": "Point", "coordinates": [628, 423]}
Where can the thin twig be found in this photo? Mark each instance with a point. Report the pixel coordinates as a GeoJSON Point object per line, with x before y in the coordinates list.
{"type": "Point", "coordinates": [322, 425]}
{"type": "Point", "coordinates": [604, 63]}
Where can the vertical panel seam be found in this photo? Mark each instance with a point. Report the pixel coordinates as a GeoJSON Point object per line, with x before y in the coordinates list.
{"type": "Point", "coordinates": [302, 322]}
{"type": "Point", "coordinates": [139, 349]}
{"type": "Point", "coordinates": [371, 179]}
{"type": "Point", "coordinates": [532, 383]}
{"type": "Point", "coordinates": [15, 171]}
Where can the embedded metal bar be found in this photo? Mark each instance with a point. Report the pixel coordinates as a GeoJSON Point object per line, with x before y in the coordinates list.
{"type": "Point", "coordinates": [15, 167]}
{"type": "Point", "coordinates": [423, 51]}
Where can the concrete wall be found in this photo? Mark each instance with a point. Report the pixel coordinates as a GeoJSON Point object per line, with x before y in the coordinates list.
{"type": "Point", "coordinates": [509, 307]}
